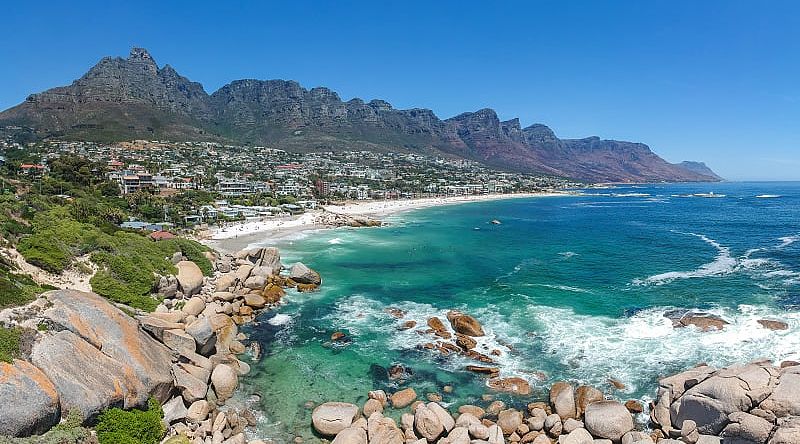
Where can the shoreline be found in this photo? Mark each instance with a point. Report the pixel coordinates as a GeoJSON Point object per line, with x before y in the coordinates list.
{"type": "Point", "coordinates": [239, 236]}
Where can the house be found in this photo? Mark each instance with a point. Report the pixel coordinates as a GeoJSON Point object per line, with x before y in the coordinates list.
{"type": "Point", "coordinates": [161, 235]}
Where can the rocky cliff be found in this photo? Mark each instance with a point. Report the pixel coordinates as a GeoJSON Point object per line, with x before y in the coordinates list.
{"type": "Point", "coordinates": [122, 99]}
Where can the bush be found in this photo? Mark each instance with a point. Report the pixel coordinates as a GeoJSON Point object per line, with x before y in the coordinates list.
{"type": "Point", "coordinates": [117, 426]}
{"type": "Point", "coordinates": [9, 343]}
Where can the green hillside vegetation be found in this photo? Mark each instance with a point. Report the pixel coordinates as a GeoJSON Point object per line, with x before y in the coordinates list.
{"type": "Point", "coordinates": [73, 211]}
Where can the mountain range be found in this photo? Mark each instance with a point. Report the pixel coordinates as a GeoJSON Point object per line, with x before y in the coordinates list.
{"type": "Point", "coordinates": [132, 98]}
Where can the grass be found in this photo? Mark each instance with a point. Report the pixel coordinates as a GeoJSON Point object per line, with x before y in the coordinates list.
{"type": "Point", "coordinates": [9, 343]}
{"type": "Point", "coordinates": [117, 426]}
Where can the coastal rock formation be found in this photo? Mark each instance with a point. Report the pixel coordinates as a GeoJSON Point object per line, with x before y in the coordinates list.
{"type": "Point", "coordinates": [132, 98]}
{"type": "Point", "coordinates": [31, 402]}
{"type": "Point", "coordinates": [301, 274]}
{"type": "Point", "coordinates": [744, 403]}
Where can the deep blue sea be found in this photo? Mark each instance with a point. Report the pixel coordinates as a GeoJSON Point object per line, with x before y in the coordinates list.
{"type": "Point", "coordinates": [568, 288]}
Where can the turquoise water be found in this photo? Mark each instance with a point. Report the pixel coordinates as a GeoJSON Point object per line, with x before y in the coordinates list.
{"type": "Point", "coordinates": [577, 286]}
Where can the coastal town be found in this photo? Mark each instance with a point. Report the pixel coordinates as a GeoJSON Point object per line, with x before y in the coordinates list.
{"type": "Point", "coordinates": [235, 183]}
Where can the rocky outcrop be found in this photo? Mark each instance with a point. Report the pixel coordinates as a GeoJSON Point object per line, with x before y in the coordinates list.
{"type": "Point", "coordinates": [301, 274]}
{"type": "Point", "coordinates": [31, 402]}
{"type": "Point", "coordinates": [331, 418]}
{"type": "Point", "coordinates": [744, 403]}
{"type": "Point", "coordinates": [135, 99]}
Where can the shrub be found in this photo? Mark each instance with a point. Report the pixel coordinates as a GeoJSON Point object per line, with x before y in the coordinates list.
{"type": "Point", "coordinates": [9, 343]}
{"type": "Point", "coordinates": [117, 426]}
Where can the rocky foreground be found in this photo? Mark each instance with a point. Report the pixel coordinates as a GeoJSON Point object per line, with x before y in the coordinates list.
{"type": "Point", "coordinates": [84, 354]}
{"type": "Point", "coordinates": [756, 403]}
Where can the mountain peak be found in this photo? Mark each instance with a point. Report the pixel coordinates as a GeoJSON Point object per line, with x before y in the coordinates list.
{"type": "Point", "coordinates": [140, 54]}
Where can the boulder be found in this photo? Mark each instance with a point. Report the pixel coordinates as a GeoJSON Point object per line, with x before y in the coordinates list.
{"type": "Point", "coordinates": [746, 428]}
{"type": "Point", "coordinates": [787, 431]}
{"type": "Point", "coordinates": [194, 306]}
{"type": "Point", "coordinates": [710, 402]}
{"type": "Point", "coordinates": [403, 398]}
{"type": "Point", "coordinates": [689, 432]}
{"type": "Point", "coordinates": [472, 409]}
{"type": "Point", "coordinates": [608, 419]}
{"type": "Point", "coordinates": [372, 406]}
{"type": "Point", "coordinates": [190, 277]}
{"type": "Point", "coordinates": [427, 423]}
{"type": "Point", "coordinates": [351, 435]}
{"type": "Point", "coordinates": [515, 385]}
{"type": "Point", "coordinates": [191, 387]}
{"type": "Point", "coordinates": [509, 420]}
{"type": "Point", "coordinates": [571, 424]}
{"type": "Point", "coordinates": [458, 435]}
{"type": "Point", "coordinates": [465, 324]}
{"type": "Point", "coordinates": [383, 430]}
{"type": "Point", "coordinates": [198, 411]}
{"type": "Point", "coordinates": [255, 282]}
{"type": "Point", "coordinates": [380, 396]}
{"type": "Point", "coordinates": [331, 418]}
{"type": "Point", "coordinates": [131, 367]}
{"type": "Point", "coordinates": [225, 380]}
{"type": "Point", "coordinates": [444, 416]}
{"type": "Point", "coordinates": [174, 410]}
{"type": "Point", "coordinates": [773, 325]}
{"type": "Point", "coordinates": [553, 425]}
{"type": "Point", "coordinates": [495, 435]}
{"type": "Point", "coordinates": [271, 258]}
{"type": "Point", "coordinates": [156, 325]}
{"type": "Point", "coordinates": [180, 341]}
{"type": "Point", "coordinates": [636, 437]}
{"type": "Point", "coordinates": [577, 436]}
{"type": "Point", "coordinates": [225, 282]}
{"type": "Point", "coordinates": [255, 300]}
{"type": "Point", "coordinates": [465, 342]}
{"type": "Point", "coordinates": [304, 275]}
{"type": "Point", "coordinates": [203, 333]}
{"type": "Point", "coordinates": [30, 400]}
{"type": "Point", "coordinates": [562, 398]}
{"type": "Point", "coordinates": [785, 398]}
{"type": "Point", "coordinates": [703, 321]}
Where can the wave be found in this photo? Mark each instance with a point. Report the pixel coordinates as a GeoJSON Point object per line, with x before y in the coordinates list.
{"type": "Point", "coordinates": [724, 263]}
{"type": "Point", "coordinates": [561, 287]}
{"type": "Point", "coordinates": [568, 254]}
{"type": "Point", "coordinates": [635, 349]}
{"type": "Point", "coordinates": [335, 241]}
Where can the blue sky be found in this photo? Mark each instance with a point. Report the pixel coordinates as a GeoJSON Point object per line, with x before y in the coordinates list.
{"type": "Point", "coordinates": [717, 81]}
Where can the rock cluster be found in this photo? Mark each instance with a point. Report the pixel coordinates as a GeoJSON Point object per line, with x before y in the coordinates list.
{"type": "Point", "coordinates": [201, 324]}
{"type": "Point", "coordinates": [574, 416]}
{"type": "Point", "coordinates": [332, 219]}
{"type": "Point", "coordinates": [460, 336]}
{"type": "Point", "coordinates": [755, 403]}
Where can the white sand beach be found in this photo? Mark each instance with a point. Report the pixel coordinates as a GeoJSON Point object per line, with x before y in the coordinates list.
{"type": "Point", "coordinates": [235, 236]}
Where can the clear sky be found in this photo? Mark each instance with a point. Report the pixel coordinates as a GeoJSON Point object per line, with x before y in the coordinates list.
{"type": "Point", "coordinates": [717, 81]}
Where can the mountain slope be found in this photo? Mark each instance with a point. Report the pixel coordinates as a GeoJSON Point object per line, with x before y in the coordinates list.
{"type": "Point", "coordinates": [123, 99]}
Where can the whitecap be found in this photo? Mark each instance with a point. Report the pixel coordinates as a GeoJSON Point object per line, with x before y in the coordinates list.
{"type": "Point", "coordinates": [335, 241]}
{"type": "Point", "coordinates": [722, 264]}
{"type": "Point", "coordinates": [279, 319]}
{"type": "Point", "coordinates": [567, 254]}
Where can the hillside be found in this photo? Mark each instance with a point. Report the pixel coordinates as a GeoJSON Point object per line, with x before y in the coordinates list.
{"type": "Point", "coordinates": [123, 99]}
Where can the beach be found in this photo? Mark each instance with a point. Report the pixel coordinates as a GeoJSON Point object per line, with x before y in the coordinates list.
{"type": "Point", "coordinates": [236, 236]}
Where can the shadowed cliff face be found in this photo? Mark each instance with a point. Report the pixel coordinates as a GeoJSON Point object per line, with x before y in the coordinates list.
{"type": "Point", "coordinates": [122, 99]}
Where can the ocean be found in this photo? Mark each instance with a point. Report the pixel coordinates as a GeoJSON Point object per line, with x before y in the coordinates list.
{"type": "Point", "coordinates": [571, 288]}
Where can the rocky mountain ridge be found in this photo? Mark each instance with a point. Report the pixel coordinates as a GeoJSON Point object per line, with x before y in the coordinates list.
{"type": "Point", "coordinates": [123, 99]}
